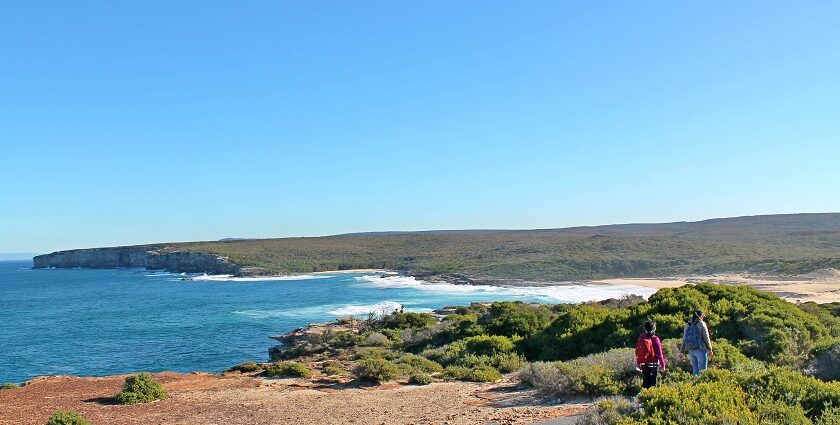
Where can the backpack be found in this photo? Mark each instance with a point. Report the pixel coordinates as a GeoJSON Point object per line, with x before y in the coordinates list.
{"type": "Point", "coordinates": [644, 349]}
{"type": "Point", "coordinates": [692, 338]}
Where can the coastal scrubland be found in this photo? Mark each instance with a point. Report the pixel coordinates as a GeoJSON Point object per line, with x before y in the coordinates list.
{"type": "Point", "coordinates": [779, 244]}
{"type": "Point", "coordinates": [774, 361]}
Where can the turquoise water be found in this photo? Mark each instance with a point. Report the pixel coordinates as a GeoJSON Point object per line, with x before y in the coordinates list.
{"type": "Point", "coordinates": [101, 322]}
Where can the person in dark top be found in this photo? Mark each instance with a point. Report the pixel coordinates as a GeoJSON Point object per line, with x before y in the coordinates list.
{"type": "Point", "coordinates": [649, 357]}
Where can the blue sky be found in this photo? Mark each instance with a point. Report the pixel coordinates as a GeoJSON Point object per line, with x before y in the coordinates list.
{"type": "Point", "coordinates": [133, 122]}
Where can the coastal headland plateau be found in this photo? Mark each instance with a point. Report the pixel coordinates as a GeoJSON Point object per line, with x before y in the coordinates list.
{"type": "Point", "coordinates": [790, 244]}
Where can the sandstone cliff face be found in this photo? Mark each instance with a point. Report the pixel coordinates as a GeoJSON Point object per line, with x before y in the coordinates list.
{"type": "Point", "coordinates": [150, 257]}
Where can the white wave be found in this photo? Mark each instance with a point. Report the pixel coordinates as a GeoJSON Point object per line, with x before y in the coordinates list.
{"type": "Point", "coordinates": [231, 278]}
{"type": "Point", "coordinates": [161, 274]}
{"type": "Point", "coordinates": [556, 293]}
{"type": "Point", "coordinates": [381, 308]}
{"type": "Point", "coordinates": [291, 312]}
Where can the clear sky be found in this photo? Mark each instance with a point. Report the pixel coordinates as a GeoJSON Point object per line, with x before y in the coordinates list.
{"type": "Point", "coordinates": [148, 121]}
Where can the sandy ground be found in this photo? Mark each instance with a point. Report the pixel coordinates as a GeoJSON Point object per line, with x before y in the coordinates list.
{"type": "Point", "coordinates": [822, 286]}
{"type": "Point", "coordinates": [201, 398]}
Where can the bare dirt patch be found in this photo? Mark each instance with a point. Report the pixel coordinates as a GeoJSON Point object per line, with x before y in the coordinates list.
{"type": "Point", "coordinates": [238, 399]}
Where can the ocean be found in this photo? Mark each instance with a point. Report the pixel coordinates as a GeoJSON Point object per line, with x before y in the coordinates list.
{"type": "Point", "coordinates": [90, 322]}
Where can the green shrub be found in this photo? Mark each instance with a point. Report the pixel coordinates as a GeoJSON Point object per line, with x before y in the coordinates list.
{"type": "Point", "coordinates": [140, 388]}
{"type": "Point", "coordinates": [420, 363]}
{"type": "Point", "coordinates": [376, 339]}
{"type": "Point", "coordinates": [333, 368]}
{"type": "Point", "coordinates": [609, 373]}
{"type": "Point", "coordinates": [420, 379]}
{"type": "Point", "coordinates": [696, 404]}
{"type": "Point", "coordinates": [830, 416]}
{"type": "Point", "coordinates": [342, 339]}
{"type": "Point", "coordinates": [404, 320]}
{"type": "Point", "coordinates": [454, 372]}
{"type": "Point", "coordinates": [516, 318]}
{"type": "Point", "coordinates": [334, 371]}
{"type": "Point", "coordinates": [293, 369]}
{"type": "Point", "coordinates": [375, 369]}
{"type": "Point", "coordinates": [772, 395]}
{"type": "Point", "coordinates": [761, 325]}
{"type": "Point", "coordinates": [448, 354]}
{"type": "Point", "coordinates": [488, 345]}
{"type": "Point", "coordinates": [483, 374]}
{"type": "Point", "coordinates": [246, 367]}
{"type": "Point", "coordinates": [508, 362]}
{"type": "Point", "coordinates": [608, 411]}
{"type": "Point", "coordinates": [67, 418]}
{"type": "Point", "coordinates": [9, 386]}
{"type": "Point", "coordinates": [781, 413]}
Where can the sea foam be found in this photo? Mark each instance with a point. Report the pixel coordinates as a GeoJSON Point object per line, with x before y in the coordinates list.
{"type": "Point", "coordinates": [567, 293]}
{"type": "Point", "coordinates": [231, 278]}
{"type": "Point", "coordinates": [381, 308]}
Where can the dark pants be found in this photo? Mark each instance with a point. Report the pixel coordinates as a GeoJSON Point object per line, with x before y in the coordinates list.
{"type": "Point", "coordinates": [649, 372]}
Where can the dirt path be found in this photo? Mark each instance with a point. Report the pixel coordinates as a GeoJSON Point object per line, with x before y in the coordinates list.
{"type": "Point", "coordinates": [202, 398]}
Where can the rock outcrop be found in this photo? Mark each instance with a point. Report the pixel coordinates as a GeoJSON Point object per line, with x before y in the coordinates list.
{"type": "Point", "coordinates": [150, 257]}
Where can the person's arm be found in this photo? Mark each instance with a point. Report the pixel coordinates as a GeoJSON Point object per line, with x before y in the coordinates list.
{"type": "Point", "coordinates": [657, 349]}
{"type": "Point", "coordinates": [704, 334]}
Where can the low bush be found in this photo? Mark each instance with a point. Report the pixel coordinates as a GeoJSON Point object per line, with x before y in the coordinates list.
{"type": "Point", "coordinates": [140, 388]}
{"type": "Point", "coordinates": [448, 354]}
{"type": "Point", "coordinates": [377, 339]}
{"type": "Point", "coordinates": [9, 386]}
{"type": "Point", "coordinates": [420, 379]}
{"type": "Point", "coordinates": [484, 345]}
{"type": "Point", "coordinates": [67, 418]}
{"type": "Point", "coordinates": [508, 362]}
{"type": "Point", "coordinates": [830, 416]}
{"type": "Point", "coordinates": [773, 395]}
{"type": "Point", "coordinates": [696, 404]}
{"type": "Point", "coordinates": [454, 372]}
{"type": "Point", "coordinates": [375, 369]}
{"type": "Point", "coordinates": [375, 353]}
{"type": "Point", "coordinates": [417, 363]}
{"type": "Point", "coordinates": [404, 320]}
{"type": "Point", "coordinates": [610, 373]}
{"type": "Point", "coordinates": [333, 368]}
{"type": "Point", "coordinates": [334, 371]}
{"type": "Point", "coordinates": [246, 367]}
{"type": "Point", "coordinates": [609, 410]}
{"type": "Point", "coordinates": [483, 374]}
{"type": "Point", "coordinates": [287, 369]}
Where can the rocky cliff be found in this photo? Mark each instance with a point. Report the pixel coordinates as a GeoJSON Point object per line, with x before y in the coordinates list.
{"type": "Point", "coordinates": [150, 257]}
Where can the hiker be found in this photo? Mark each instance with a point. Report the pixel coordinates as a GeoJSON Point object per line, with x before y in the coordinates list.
{"type": "Point", "coordinates": [696, 343]}
{"type": "Point", "coordinates": [649, 358]}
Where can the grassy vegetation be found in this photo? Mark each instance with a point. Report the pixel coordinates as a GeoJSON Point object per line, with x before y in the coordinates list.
{"type": "Point", "coordinates": [67, 418]}
{"type": "Point", "coordinates": [140, 388]}
{"type": "Point", "coordinates": [287, 369]}
{"type": "Point", "coordinates": [774, 361]}
{"type": "Point", "coordinates": [787, 244]}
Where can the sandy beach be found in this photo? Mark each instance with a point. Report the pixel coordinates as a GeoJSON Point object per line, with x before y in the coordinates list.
{"type": "Point", "coordinates": [821, 286]}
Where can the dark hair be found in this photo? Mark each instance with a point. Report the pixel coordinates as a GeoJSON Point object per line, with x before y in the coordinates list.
{"type": "Point", "coordinates": [650, 326]}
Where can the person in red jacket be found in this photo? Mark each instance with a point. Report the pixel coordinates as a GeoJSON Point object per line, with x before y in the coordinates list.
{"type": "Point", "coordinates": [649, 358]}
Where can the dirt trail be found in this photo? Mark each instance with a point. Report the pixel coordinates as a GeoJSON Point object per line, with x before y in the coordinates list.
{"type": "Point", "coordinates": [201, 398]}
